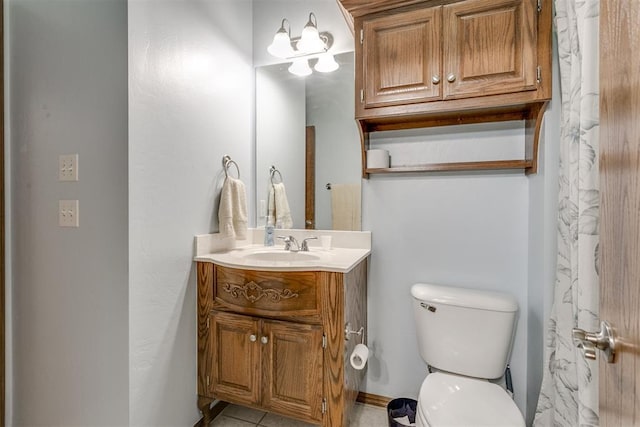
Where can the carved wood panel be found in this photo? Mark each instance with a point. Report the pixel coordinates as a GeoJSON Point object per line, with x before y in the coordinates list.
{"type": "Point", "coordinates": [490, 47]}
{"type": "Point", "coordinates": [401, 56]}
{"type": "Point", "coordinates": [267, 293]}
{"type": "Point", "coordinates": [292, 366]}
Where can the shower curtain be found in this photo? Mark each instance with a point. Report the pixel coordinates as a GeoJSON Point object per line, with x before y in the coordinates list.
{"type": "Point", "coordinates": [569, 394]}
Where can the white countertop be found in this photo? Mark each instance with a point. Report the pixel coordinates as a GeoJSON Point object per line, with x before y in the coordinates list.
{"type": "Point", "coordinates": [348, 249]}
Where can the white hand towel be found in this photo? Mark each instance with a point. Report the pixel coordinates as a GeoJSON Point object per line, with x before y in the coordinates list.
{"type": "Point", "coordinates": [279, 206]}
{"type": "Point", "coordinates": [232, 213]}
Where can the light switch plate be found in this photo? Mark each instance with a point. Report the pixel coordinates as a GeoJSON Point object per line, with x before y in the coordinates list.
{"type": "Point", "coordinates": [68, 213]}
{"type": "Point", "coordinates": [68, 167]}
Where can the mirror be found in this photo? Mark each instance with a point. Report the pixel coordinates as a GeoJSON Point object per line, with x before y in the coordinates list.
{"type": "Point", "coordinates": [293, 111]}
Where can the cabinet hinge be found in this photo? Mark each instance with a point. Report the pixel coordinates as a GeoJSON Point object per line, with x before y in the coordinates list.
{"type": "Point", "coordinates": [539, 74]}
{"type": "Point", "coordinates": [324, 341]}
{"type": "Point", "coordinates": [539, 6]}
{"type": "Point", "coordinates": [362, 35]}
{"type": "Point", "coordinates": [324, 405]}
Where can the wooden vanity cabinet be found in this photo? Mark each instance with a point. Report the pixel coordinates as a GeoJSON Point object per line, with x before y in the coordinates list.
{"type": "Point", "coordinates": [443, 62]}
{"type": "Point", "coordinates": [271, 364]}
{"type": "Point", "coordinates": [275, 340]}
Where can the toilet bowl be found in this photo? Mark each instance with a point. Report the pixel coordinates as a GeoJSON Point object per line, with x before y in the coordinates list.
{"type": "Point", "coordinates": [466, 335]}
{"type": "Point", "coordinates": [452, 400]}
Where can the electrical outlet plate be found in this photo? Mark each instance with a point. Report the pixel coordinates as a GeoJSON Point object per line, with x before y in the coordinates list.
{"type": "Point", "coordinates": [68, 167]}
{"type": "Point", "coordinates": [68, 213]}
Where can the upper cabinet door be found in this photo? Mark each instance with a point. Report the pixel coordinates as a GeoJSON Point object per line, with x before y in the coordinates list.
{"type": "Point", "coordinates": [401, 58]}
{"type": "Point", "coordinates": [490, 47]}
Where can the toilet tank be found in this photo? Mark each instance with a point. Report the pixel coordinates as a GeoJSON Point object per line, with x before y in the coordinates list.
{"type": "Point", "coordinates": [464, 331]}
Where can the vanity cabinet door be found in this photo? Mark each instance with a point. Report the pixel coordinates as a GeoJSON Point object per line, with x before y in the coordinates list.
{"type": "Point", "coordinates": [236, 358]}
{"type": "Point", "coordinates": [401, 58]}
{"type": "Point", "coordinates": [293, 362]}
{"type": "Point", "coordinates": [490, 47]}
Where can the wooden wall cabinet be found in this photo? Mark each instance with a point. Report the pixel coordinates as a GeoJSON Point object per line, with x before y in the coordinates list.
{"type": "Point", "coordinates": [442, 62]}
{"type": "Point", "coordinates": [275, 340]}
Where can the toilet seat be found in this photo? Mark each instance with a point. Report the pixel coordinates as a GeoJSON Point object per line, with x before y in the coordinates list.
{"type": "Point", "coordinates": [452, 400]}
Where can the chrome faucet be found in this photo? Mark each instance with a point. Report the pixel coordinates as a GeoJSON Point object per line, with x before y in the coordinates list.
{"type": "Point", "coordinates": [290, 240]}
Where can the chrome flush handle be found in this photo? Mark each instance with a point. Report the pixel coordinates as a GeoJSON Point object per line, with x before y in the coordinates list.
{"type": "Point", "coordinates": [428, 307]}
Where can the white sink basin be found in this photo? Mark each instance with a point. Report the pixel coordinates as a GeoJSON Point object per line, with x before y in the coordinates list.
{"type": "Point", "coordinates": [277, 255]}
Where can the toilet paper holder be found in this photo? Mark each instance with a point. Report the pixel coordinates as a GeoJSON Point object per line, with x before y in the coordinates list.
{"type": "Point", "coordinates": [348, 332]}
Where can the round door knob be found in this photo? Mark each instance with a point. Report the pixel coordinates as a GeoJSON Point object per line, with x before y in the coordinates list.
{"type": "Point", "coordinates": [451, 78]}
{"type": "Point", "coordinates": [252, 338]}
{"type": "Point", "coordinates": [264, 340]}
{"type": "Point", "coordinates": [435, 79]}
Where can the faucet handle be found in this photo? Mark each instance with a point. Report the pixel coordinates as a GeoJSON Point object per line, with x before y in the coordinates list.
{"type": "Point", "coordinates": [305, 246]}
{"type": "Point", "coordinates": [287, 242]}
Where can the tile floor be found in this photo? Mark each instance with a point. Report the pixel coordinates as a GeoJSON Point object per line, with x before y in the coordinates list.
{"type": "Point", "coordinates": [239, 416]}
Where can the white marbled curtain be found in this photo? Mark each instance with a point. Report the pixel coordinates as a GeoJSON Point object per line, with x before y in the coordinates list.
{"type": "Point", "coordinates": [569, 395]}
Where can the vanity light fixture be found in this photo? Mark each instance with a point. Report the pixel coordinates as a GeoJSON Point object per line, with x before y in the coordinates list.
{"type": "Point", "coordinates": [312, 44]}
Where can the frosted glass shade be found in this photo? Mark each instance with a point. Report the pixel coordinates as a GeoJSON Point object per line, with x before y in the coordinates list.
{"type": "Point", "coordinates": [281, 45]}
{"type": "Point", "coordinates": [300, 67]}
{"type": "Point", "coordinates": [326, 63]}
{"type": "Point", "coordinates": [310, 41]}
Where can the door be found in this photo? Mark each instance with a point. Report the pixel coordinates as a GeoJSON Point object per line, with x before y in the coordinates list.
{"type": "Point", "coordinates": [401, 58]}
{"type": "Point", "coordinates": [310, 178]}
{"type": "Point", "coordinates": [489, 47]}
{"type": "Point", "coordinates": [293, 360]}
{"type": "Point", "coordinates": [620, 207]}
{"type": "Point", "coordinates": [235, 363]}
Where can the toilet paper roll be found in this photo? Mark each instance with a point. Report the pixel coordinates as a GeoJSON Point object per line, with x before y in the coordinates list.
{"type": "Point", "coordinates": [359, 356]}
{"type": "Point", "coordinates": [377, 159]}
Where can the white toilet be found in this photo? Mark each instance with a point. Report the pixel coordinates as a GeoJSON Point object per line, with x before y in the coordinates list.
{"type": "Point", "coordinates": [465, 336]}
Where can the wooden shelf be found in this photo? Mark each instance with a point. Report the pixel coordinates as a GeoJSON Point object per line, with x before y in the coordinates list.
{"type": "Point", "coordinates": [532, 115]}
{"type": "Point", "coordinates": [456, 166]}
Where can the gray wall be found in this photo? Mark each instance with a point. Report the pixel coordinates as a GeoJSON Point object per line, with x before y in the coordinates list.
{"type": "Point", "coordinates": [67, 69]}
{"type": "Point", "coordinates": [190, 103]}
{"type": "Point", "coordinates": [467, 230]}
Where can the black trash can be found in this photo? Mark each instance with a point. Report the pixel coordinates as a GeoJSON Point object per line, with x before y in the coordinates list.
{"type": "Point", "coordinates": [399, 408]}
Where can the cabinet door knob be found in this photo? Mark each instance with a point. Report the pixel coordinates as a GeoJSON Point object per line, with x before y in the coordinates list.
{"type": "Point", "coordinates": [252, 338]}
{"type": "Point", "coordinates": [451, 78]}
{"type": "Point", "coordinates": [435, 79]}
{"type": "Point", "coordinates": [264, 340]}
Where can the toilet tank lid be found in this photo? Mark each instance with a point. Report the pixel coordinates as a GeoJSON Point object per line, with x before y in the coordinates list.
{"type": "Point", "coordinates": [464, 297]}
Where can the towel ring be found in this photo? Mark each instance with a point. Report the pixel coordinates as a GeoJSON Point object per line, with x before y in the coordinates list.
{"type": "Point", "coordinates": [272, 173]}
{"type": "Point", "coordinates": [226, 162]}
